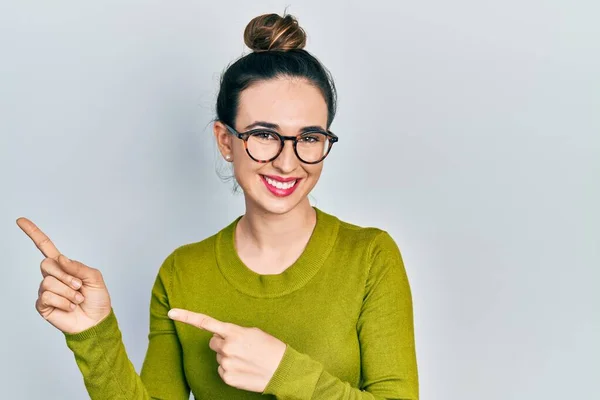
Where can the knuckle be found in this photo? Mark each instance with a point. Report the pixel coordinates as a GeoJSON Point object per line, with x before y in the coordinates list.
{"type": "Point", "coordinates": [45, 263]}
{"type": "Point", "coordinates": [227, 349]}
{"type": "Point", "coordinates": [233, 332]}
{"type": "Point", "coordinates": [72, 295]}
{"type": "Point", "coordinates": [44, 241]}
{"type": "Point", "coordinates": [63, 277]}
{"type": "Point", "coordinates": [227, 377]}
{"type": "Point", "coordinates": [46, 298]}
{"type": "Point", "coordinates": [45, 283]}
{"type": "Point", "coordinates": [96, 274]}
{"type": "Point", "coordinates": [49, 282]}
{"type": "Point", "coordinates": [226, 364]}
{"type": "Point", "coordinates": [49, 267]}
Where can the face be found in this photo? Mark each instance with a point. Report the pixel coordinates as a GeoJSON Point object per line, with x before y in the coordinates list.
{"type": "Point", "coordinates": [283, 184]}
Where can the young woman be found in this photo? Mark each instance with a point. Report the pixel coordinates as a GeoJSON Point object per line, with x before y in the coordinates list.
{"type": "Point", "coordinates": [286, 302]}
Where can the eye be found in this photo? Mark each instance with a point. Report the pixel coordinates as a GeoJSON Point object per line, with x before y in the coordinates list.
{"type": "Point", "coordinates": [312, 138]}
{"type": "Point", "coordinates": [264, 136]}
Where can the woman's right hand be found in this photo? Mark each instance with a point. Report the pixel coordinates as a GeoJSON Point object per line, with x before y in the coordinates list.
{"type": "Point", "coordinates": [72, 296]}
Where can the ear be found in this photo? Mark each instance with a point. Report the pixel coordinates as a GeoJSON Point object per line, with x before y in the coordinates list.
{"type": "Point", "coordinates": [224, 140]}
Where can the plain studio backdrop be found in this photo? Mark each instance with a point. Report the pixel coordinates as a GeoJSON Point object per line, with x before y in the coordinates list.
{"type": "Point", "coordinates": [468, 129]}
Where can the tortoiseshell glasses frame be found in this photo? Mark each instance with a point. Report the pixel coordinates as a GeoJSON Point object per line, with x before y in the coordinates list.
{"type": "Point", "coordinates": [332, 138]}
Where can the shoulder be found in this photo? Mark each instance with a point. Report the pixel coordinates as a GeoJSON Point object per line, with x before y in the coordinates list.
{"type": "Point", "coordinates": [370, 253]}
{"type": "Point", "coordinates": [194, 249]}
{"type": "Point", "coordinates": [375, 241]}
{"type": "Point", "coordinates": [380, 255]}
{"type": "Point", "coordinates": [194, 255]}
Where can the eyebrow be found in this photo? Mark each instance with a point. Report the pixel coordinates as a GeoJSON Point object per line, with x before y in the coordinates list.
{"type": "Point", "coordinates": [271, 125]}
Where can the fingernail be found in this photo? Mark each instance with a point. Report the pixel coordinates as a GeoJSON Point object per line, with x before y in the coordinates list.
{"type": "Point", "coordinates": [172, 314]}
{"type": "Point", "coordinates": [78, 297]}
{"type": "Point", "coordinates": [76, 283]}
{"type": "Point", "coordinates": [73, 306]}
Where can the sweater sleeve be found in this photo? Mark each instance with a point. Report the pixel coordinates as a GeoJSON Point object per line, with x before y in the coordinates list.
{"type": "Point", "coordinates": [107, 371]}
{"type": "Point", "coordinates": [386, 335]}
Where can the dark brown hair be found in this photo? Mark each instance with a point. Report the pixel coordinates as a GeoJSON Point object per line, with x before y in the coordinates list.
{"type": "Point", "coordinates": [272, 32]}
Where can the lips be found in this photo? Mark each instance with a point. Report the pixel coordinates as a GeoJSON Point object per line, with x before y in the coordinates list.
{"type": "Point", "coordinates": [279, 186]}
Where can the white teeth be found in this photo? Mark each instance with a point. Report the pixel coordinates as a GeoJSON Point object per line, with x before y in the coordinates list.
{"type": "Point", "coordinates": [280, 185]}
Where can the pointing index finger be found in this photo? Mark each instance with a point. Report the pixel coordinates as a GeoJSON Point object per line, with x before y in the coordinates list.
{"type": "Point", "coordinates": [42, 242]}
{"type": "Point", "coordinates": [201, 321]}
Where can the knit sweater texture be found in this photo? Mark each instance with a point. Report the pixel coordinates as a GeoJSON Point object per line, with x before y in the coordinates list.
{"type": "Point", "coordinates": [343, 308]}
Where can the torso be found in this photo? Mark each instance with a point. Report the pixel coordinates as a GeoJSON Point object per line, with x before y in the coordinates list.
{"type": "Point", "coordinates": [313, 305]}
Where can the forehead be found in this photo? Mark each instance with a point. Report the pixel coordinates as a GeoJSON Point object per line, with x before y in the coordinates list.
{"type": "Point", "coordinates": [289, 102]}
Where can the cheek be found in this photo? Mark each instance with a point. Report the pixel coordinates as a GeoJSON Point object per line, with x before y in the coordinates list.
{"type": "Point", "coordinates": [313, 175]}
{"type": "Point", "coordinates": [242, 164]}
{"type": "Point", "coordinates": [314, 171]}
{"type": "Point", "coordinates": [238, 149]}
{"type": "Point", "coordinates": [245, 169]}
{"type": "Point", "coordinates": [242, 168]}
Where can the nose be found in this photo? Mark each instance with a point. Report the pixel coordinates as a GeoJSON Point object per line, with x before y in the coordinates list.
{"type": "Point", "coordinates": [287, 160]}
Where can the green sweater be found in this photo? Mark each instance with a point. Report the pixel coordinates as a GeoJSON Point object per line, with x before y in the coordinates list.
{"type": "Point", "coordinates": [344, 309]}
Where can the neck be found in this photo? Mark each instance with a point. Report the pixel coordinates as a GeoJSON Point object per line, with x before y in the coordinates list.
{"type": "Point", "coordinates": [267, 231]}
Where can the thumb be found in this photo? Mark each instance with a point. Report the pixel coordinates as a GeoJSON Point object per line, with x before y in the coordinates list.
{"type": "Point", "coordinates": [79, 270]}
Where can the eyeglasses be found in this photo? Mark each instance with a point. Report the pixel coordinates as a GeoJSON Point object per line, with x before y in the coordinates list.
{"type": "Point", "coordinates": [265, 145]}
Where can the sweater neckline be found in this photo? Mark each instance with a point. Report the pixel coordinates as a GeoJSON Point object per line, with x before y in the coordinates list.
{"type": "Point", "coordinates": [291, 279]}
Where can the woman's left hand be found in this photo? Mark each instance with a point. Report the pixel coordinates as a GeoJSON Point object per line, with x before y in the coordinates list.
{"type": "Point", "coordinates": [247, 357]}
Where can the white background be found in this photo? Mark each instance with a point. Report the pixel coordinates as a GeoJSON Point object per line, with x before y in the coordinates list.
{"type": "Point", "coordinates": [469, 130]}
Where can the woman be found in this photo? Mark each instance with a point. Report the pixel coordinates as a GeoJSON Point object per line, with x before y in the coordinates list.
{"type": "Point", "coordinates": [286, 302]}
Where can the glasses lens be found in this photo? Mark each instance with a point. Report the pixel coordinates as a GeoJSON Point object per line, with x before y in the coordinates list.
{"type": "Point", "coordinates": [263, 145]}
{"type": "Point", "coordinates": [312, 146]}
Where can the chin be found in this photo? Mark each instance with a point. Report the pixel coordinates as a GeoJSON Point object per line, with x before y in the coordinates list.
{"type": "Point", "coordinates": [280, 200]}
{"type": "Point", "coordinates": [278, 205]}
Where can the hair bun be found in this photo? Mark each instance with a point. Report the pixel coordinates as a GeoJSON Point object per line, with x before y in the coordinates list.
{"type": "Point", "coordinates": [274, 32]}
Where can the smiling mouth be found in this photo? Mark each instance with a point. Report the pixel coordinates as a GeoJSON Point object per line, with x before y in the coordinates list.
{"type": "Point", "coordinates": [280, 188]}
{"type": "Point", "coordinates": [280, 185]}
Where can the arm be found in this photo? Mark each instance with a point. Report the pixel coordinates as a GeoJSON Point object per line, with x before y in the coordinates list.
{"type": "Point", "coordinates": [386, 335]}
{"type": "Point", "coordinates": [107, 371]}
